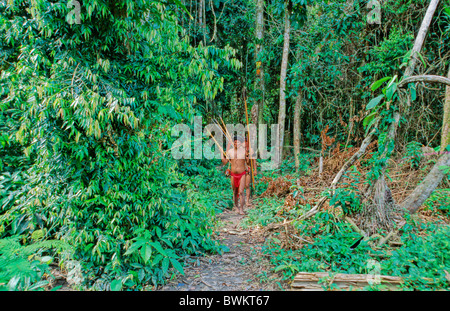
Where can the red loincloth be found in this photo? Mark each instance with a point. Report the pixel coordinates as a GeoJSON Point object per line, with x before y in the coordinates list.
{"type": "Point", "coordinates": [237, 178]}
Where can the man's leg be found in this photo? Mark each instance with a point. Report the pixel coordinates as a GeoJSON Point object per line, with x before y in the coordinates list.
{"type": "Point", "coordinates": [241, 195]}
{"type": "Point", "coordinates": [247, 190]}
{"type": "Point", "coordinates": [235, 195]}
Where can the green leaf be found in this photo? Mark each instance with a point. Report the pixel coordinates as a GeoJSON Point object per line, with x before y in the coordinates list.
{"type": "Point", "coordinates": [141, 275]}
{"type": "Point", "coordinates": [391, 90]}
{"type": "Point", "coordinates": [378, 83]}
{"type": "Point", "coordinates": [158, 232]}
{"type": "Point", "coordinates": [280, 267]}
{"type": "Point", "coordinates": [146, 252]}
{"type": "Point", "coordinates": [412, 89]}
{"type": "Point", "coordinates": [374, 102]}
{"type": "Point", "coordinates": [165, 265]}
{"type": "Point", "coordinates": [159, 248]}
{"type": "Point", "coordinates": [134, 247]}
{"type": "Point", "coordinates": [423, 61]}
{"type": "Point", "coordinates": [391, 82]}
{"type": "Point", "coordinates": [367, 120]}
{"type": "Point", "coordinates": [116, 285]}
{"type": "Point", "coordinates": [46, 259]}
{"type": "Point", "coordinates": [177, 265]}
{"type": "Point", "coordinates": [445, 169]}
{"type": "Point", "coordinates": [157, 259]}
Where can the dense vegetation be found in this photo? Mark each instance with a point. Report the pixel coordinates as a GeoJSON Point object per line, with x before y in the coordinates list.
{"type": "Point", "coordinates": [89, 93]}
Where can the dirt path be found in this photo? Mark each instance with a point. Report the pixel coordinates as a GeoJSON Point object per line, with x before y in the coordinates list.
{"type": "Point", "coordinates": [243, 267]}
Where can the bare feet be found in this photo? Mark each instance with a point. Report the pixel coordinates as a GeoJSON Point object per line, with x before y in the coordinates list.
{"type": "Point", "coordinates": [242, 212]}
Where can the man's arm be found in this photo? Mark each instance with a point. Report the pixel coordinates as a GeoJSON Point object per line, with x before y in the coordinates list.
{"type": "Point", "coordinates": [224, 160]}
{"type": "Point", "coordinates": [252, 160]}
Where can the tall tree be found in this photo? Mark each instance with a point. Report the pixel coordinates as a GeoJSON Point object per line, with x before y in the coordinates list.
{"type": "Point", "coordinates": [283, 73]}
{"type": "Point", "coordinates": [297, 127]}
{"type": "Point", "coordinates": [445, 140]}
{"type": "Point", "coordinates": [259, 79]}
{"type": "Point", "coordinates": [380, 182]}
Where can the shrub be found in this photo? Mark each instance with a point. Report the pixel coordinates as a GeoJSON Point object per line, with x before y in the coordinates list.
{"type": "Point", "coordinates": [23, 267]}
{"type": "Point", "coordinates": [422, 261]}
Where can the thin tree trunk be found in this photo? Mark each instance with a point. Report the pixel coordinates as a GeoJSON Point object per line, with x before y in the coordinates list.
{"type": "Point", "coordinates": [204, 21]}
{"type": "Point", "coordinates": [259, 80]}
{"type": "Point", "coordinates": [424, 190]}
{"type": "Point", "coordinates": [421, 38]}
{"type": "Point", "coordinates": [408, 72]}
{"type": "Point", "coordinates": [445, 139]}
{"type": "Point", "coordinates": [283, 73]}
{"type": "Point", "coordinates": [199, 12]}
{"type": "Point", "coordinates": [297, 112]}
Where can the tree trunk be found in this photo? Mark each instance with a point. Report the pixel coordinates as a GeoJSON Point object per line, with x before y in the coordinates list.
{"type": "Point", "coordinates": [445, 139]}
{"type": "Point", "coordinates": [297, 127]}
{"type": "Point", "coordinates": [380, 211]}
{"type": "Point", "coordinates": [424, 190]}
{"type": "Point", "coordinates": [200, 13]}
{"type": "Point", "coordinates": [259, 79]}
{"type": "Point", "coordinates": [408, 72]}
{"type": "Point", "coordinates": [204, 22]}
{"type": "Point", "coordinates": [283, 73]}
{"type": "Point", "coordinates": [421, 38]}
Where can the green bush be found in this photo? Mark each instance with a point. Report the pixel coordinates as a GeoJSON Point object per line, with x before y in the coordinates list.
{"type": "Point", "coordinates": [348, 198]}
{"type": "Point", "coordinates": [413, 154]}
{"type": "Point", "coordinates": [330, 250]}
{"type": "Point", "coordinates": [439, 201]}
{"type": "Point", "coordinates": [23, 267]}
{"type": "Point", "coordinates": [422, 260]}
{"type": "Point", "coordinates": [86, 135]}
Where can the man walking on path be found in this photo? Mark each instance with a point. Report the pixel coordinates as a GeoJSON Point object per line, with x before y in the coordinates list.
{"type": "Point", "coordinates": [236, 155]}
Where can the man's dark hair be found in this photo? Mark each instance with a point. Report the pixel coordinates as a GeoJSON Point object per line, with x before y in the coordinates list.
{"type": "Point", "coordinates": [239, 138]}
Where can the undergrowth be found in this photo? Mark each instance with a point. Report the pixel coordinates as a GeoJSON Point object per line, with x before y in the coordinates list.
{"type": "Point", "coordinates": [421, 261]}
{"type": "Point", "coordinates": [324, 241]}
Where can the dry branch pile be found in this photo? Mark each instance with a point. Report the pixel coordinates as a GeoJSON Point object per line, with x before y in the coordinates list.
{"type": "Point", "coordinates": [403, 178]}
{"type": "Point", "coordinates": [279, 187]}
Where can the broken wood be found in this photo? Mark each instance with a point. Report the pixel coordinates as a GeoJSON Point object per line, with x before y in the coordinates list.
{"type": "Point", "coordinates": [355, 227]}
{"type": "Point", "coordinates": [309, 281]}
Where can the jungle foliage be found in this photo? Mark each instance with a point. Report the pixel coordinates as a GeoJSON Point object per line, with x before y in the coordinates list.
{"type": "Point", "coordinates": [86, 115]}
{"type": "Point", "coordinates": [89, 94]}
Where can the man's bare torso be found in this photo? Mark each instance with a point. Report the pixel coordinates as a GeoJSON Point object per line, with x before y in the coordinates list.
{"type": "Point", "coordinates": [237, 159]}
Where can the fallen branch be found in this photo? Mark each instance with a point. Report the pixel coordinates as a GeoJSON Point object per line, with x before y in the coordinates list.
{"type": "Point", "coordinates": [386, 238]}
{"type": "Point", "coordinates": [355, 227]}
{"type": "Point", "coordinates": [390, 234]}
{"type": "Point", "coordinates": [424, 78]}
{"type": "Point", "coordinates": [366, 142]}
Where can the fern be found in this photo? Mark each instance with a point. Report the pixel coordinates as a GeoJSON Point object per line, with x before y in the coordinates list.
{"type": "Point", "coordinates": [20, 266]}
